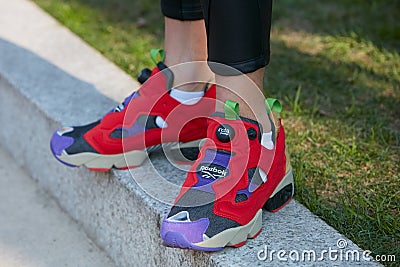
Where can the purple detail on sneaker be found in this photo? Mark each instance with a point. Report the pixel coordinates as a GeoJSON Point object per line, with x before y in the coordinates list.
{"type": "Point", "coordinates": [130, 97]}
{"type": "Point", "coordinates": [58, 144]}
{"type": "Point", "coordinates": [205, 187]}
{"type": "Point", "coordinates": [126, 101]}
{"type": "Point", "coordinates": [202, 182]}
{"type": "Point", "coordinates": [177, 240]}
{"type": "Point", "coordinates": [216, 157]}
{"type": "Point", "coordinates": [135, 129]}
{"type": "Point", "coordinates": [193, 231]}
{"type": "Point", "coordinates": [184, 234]}
{"type": "Point", "coordinates": [244, 191]}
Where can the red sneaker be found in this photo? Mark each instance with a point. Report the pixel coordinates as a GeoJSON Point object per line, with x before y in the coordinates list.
{"type": "Point", "coordinates": [238, 172]}
{"type": "Point", "coordinates": [124, 136]}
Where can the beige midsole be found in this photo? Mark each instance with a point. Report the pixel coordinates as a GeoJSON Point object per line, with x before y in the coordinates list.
{"type": "Point", "coordinates": [235, 235]}
{"type": "Point", "coordinates": [122, 160]}
{"type": "Point", "coordinates": [94, 160]}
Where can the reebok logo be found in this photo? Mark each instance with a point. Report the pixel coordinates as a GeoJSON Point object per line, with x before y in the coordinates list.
{"type": "Point", "coordinates": [212, 171]}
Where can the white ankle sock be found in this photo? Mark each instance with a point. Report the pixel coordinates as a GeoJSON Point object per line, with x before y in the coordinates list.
{"type": "Point", "coordinates": [187, 98]}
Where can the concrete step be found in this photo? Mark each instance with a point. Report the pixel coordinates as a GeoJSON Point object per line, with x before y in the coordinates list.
{"type": "Point", "coordinates": [49, 78]}
{"type": "Point", "coordinates": [34, 231]}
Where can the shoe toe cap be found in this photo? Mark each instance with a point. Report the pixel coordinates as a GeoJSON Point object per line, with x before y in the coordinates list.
{"type": "Point", "coordinates": [192, 231]}
{"type": "Point", "coordinates": [59, 142]}
{"type": "Point", "coordinates": [185, 234]}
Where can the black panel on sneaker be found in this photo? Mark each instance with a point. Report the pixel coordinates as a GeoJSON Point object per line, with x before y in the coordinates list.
{"type": "Point", "coordinates": [80, 145]}
{"type": "Point", "coordinates": [190, 153]}
{"type": "Point", "coordinates": [240, 198]}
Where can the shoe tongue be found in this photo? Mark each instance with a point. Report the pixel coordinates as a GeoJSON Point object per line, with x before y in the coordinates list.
{"type": "Point", "coordinates": [217, 114]}
{"type": "Point", "coordinates": [158, 57]}
{"type": "Point", "coordinates": [231, 112]}
{"type": "Point", "coordinates": [169, 75]}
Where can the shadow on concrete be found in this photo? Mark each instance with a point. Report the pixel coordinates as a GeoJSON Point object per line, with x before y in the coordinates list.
{"type": "Point", "coordinates": [54, 90]}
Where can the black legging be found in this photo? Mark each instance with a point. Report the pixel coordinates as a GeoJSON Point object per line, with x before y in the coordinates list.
{"type": "Point", "coordinates": [237, 30]}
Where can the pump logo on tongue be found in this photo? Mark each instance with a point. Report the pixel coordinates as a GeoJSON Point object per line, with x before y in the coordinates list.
{"type": "Point", "coordinates": [212, 171]}
{"type": "Point", "coordinates": [225, 133]}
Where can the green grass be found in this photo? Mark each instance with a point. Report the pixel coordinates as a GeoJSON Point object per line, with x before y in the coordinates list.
{"type": "Point", "coordinates": [113, 27]}
{"type": "Point", "coordinates": [335, 66]}
{"type": "Point", "coordinates": [344, 122]}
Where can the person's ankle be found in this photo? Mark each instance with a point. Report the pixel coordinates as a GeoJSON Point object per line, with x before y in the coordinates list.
{"type": "Point", "coordinates": [191, 76]}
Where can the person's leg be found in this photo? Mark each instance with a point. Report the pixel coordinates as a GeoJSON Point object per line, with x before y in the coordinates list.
{"type": "Point", "coordinates": [238, 36]}
{"type": "Point", "coordinates": [245, 89]}
{"type": "Point", "coordinates": [242, 167]}
{"type": "Point", "coordinates": [186, 41]}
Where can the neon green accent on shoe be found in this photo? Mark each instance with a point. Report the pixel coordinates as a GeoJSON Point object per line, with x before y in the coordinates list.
{"type": "Point", "coordinates": [273, 104]}
{"type": "Point", "coordinates": [231, 110]}
{"type": "Point", "coordinates": [154, 53]}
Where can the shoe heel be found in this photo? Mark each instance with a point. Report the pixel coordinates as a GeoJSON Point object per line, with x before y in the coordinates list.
{"type": "Point", "coordinates": [282, 194]}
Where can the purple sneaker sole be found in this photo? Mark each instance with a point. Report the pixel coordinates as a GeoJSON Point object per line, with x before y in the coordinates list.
{"type": "Point", "coordinates": [177, 240]}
